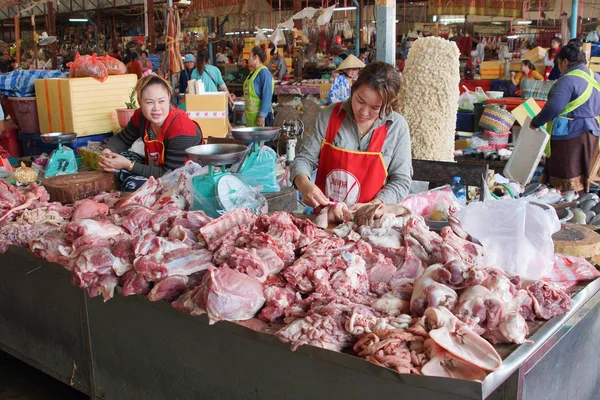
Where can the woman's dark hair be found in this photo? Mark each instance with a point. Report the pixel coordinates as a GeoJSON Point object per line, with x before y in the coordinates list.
{"type": "Point", "coordinates": [127, 59]}
{"type": "Point", "coordinates": [144, 52]}
{"type": "Point", "coordinates": [261, 52]}
{"type": "Point", "coordinates": [383, 78]}
{"type": "Point", "coordinates": [572, 53]}
{"type": "Point", "coordinates": [146, 81]}
{"type": "Point", "coordinates": [576, 42]}
{"type": "Point", "coordinates": [201, 60]}
{"type": "Point", "coordinates": [557, 40]}
{"type": "Point", "coordinates": [529, 65]}
{"type": "Point", "coordinates": [273, 51]}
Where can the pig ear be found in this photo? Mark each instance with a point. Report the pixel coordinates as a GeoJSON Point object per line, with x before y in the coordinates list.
{"type": "Point", "coordinates": [446, 365]}
{"type": "Point", "coordinates": [465, 344]}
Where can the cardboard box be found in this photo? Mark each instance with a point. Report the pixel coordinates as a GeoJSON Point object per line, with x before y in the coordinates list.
{"type": "Point", "coordinates": [528, 109]}
{"type": "Point", "coordinates": [536, 54]}
{"type": "Point", "coordinates": [324, 89]}
{"type": "Point", "coordinates": [594, 64]}
{"type": "Point", "coordinates": [210, 111]}
{"type": "Point", "coordinates": [85, 106]}
{"type": "Point", "coordinates": [491, 70]}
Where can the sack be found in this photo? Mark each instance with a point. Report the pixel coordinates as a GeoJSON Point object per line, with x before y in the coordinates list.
{"type": "Point", "coordinates": [88, 66]}
{"type": "Point", "coordinates": [539, 90]}
{"type": "Point", "coordinates": [496, 119]}
{"type": "Point", "coordinates": [113, 66]}
{"type": "Point", "coordinates": [516, 234]}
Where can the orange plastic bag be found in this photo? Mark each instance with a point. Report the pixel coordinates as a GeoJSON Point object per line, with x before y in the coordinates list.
{"type": "Point", "coordinates": [113, 66]}
{"type": "Point", "coordinates": [88, 66]}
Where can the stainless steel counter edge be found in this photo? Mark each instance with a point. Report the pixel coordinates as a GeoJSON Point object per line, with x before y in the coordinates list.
{"type": "Point", "coordinates": [517, 358]}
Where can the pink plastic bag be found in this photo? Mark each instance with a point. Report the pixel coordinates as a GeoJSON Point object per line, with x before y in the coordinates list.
{"type": "Point", "coordinates": [424, 204]}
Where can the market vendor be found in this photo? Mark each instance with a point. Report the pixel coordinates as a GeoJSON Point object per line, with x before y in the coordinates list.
{"type": "Point", "coordinates": [527, 71]}
{"type": "Point", "coordinates": [572, 109]}
{"type": "Point", "coordinates": [145, 64]}
{"type": "Point", "coordinates": [552, 71]}
{"type": "Point", "coordinates": [210, 76]}
{"type": "Point", "coordinates": [277, 65]}
{"type": "Point", "coordinates": [258, 90]}
{"type": "Point", "coordinates": [165, 131]}
{"type": "Point", "coordinates": [360, 148]}
{"type": "Point", "coordinates": [347, 73]}
{"type": "Point", "coordinates": [184, 76]}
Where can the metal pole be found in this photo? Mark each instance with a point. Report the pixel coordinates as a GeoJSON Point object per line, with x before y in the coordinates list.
{"type": "Point", "coordinates": [386, 31]}
{"type": "Point", "coordinates": [210, 45]}
{"type": "Point", "coordinates": [574, 11]}
{"type": "Point", "coordinates": [357, 29]}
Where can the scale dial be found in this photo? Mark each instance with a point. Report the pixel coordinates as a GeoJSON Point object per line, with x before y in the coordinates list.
{"type": "Point", "coordinates": [227, 186]}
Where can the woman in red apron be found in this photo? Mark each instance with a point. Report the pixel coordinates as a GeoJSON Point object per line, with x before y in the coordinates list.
{"type": "Point", "coordinates": [360, 148]}
{"type": "Point", "coordinates": [164, 131]}
{"type": "Point", "coordinates": [552, 71]}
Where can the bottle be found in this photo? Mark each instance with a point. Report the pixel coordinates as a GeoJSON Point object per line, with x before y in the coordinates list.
{"type": "Point", "coordinates": [459, 190]}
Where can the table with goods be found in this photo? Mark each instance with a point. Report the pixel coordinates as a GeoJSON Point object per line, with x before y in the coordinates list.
{"type": "Point", "coordinates": [391, 308]}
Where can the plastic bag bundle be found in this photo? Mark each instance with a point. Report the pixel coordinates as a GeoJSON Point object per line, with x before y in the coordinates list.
{"type": "Point", "coordinates": [113, 66]}
{"type": "Point", "coordinates": [516, 234]}
{"type": "Point", "coordinates": [261, 171]}
{"type": "Point", "coordinates": [429, 97]}
{"type": "Point", "coordinates": [88, 66]}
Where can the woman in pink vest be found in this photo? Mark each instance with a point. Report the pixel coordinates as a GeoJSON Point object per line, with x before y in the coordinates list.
{"type": "Point", "coordinates": [360, 148]}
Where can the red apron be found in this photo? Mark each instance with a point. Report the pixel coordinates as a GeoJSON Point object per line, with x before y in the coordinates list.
{"type": "Point", "coordinates": [549, 69]}
{"type": "Point", "coordinates": [155, 149]}
{"type": "Point", "coordinates": [350, 176]}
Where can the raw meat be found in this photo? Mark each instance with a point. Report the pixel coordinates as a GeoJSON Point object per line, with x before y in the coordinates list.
{"type": "Point", "coordinates": [316, 330]}
{"type": "Point", "coordinates": [33, 197]}
{"type": "Point", "coordinates": [88, 208]}
{"type": "Point", "coordinates": [98, 229]}
{"type": "Point", "coordinates": [52, 246]}
{"type": "Point", "coordinates": [145, 195]}
{"type": "Point", "coordinates": [182, 261]}
{"type": "Point", "coordinates": [444, 364]}
{"type": "Point", "coordinates": [458, 274]}
{"type": "Point", "coordinates": [468, 251]}
{"type": "Point", "coordinates": [548, 300]}
{"type": "Point", "coordinates": [168, 288]}
{"type": "Point", "coordinates": [178, 196]}
{"type": "Point", "coordinates": [230, 295]}
{"type": "Point", "coordinates": [219, 227]}
{"type": "Point", "coordinates": [134, 283]}
{"type": "Point", "coordinates": [381, 237]}
{"type": "Point", "coordinates": [429, 293]}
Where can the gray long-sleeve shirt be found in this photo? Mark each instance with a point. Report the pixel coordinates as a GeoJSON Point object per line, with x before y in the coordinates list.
{"type": "Point", "coordinates": [396, 149]}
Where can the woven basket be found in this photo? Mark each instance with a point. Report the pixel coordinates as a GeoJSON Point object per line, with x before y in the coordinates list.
{"type": "Point", "coordinates": [496, 140]}
{"type": "Point", "coordinates": [496, 119]}
{"type": "Point", "coordinates": [539, 90]}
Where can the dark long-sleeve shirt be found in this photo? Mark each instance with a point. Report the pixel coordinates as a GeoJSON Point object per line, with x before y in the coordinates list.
{"type": "Point", "coordinates": [264, 90]}
{"type": "Point", "coordinates": [184, 77]}
{"type": "Point", "coordinates": [565, 90]}
{"type": "Point", "coordinates": [180, 132]}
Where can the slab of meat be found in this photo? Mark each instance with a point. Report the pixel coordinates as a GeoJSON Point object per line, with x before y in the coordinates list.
{"type": "Point", "coordinates": [379, 267]}
{"type": "Point", "coordinates": [182, 261]}
{"type": "Point", "coordinates": [381, 237]}
{"type": "Point", "coordinates": [458, 274]}
{"type": "Point", "coordinates": [98, 229]}
{"type": "Point", "coordinates": [52, 246]}
{"type": "Point", "coordinates": [444, 364]}
{"type": "Point", "coordinates": [124, 255]}
{"type": "Point", "coordinates": [192, 301]}
{"type": "Point", "coordinates": [217, 228]}
{"type": "Point", "coordinates": [178, 196]}
{"type": "Point", "coordinates": [134, 283]}
{"type": "Point", "coordinates": [21, 234]}
{"type": "Point", "coordinates": [249, 262]}
{"type": "Point", "coordinates": [411, 267]}
{"type": "Point", "coordinates": [480, 309]}
{"type": "Point", "coordinates": [499, 283]}
{"type": "Point", "coordinates": [146, 195]}
{"type": "Point", "coordinates": [230, 295]}
{"type": "Point", "coordinates": [260, 240]}
{"type": "Point", "coordinates": [150, 244]}
{"type": "Point", "coordinates": [10, 197]}
{"type": "Point", "coordinates": [169, 288]}
{"type": "Point", "coordinates": [316, 330]}
{"type": "Point", "coordinates": [105, 286]}
{"type": "Point", "coordinates": [323, 245]}
{"type": "Point", "coordinates": [431, 241]}
{"type": "Point", "coordinates": [280, 226]}
{"type": "Point", "coordinates": [277, 300]}
{"type": "Point", "coordinates": [34, 195]}
{"type": "Point", "coordinates": [134, 218]}
{"type": "Point", "coordinates": [428, 292]}
{"type": "Point", "coordinates": [110, 199]}
{"type": "Point", "coordinates": [88, 209]}
{"type": "Point", "coordinates": [417, 249]}
{"type": "Point", "coordinates": [300, 274]}
{"type": "Point", "coordinates": [468, 251]}
{"type": "Point", "coordinates": [548, 299]}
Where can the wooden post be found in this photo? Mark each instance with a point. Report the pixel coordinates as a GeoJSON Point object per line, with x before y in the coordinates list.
{"type": "Point", "coordinates": [99, 31]}
{"type": "Point", "coordinates": [52, 32]}
{"type": "Point", "coordinates": [18, 38]}
{"type": "Point", "coordinates": [151, 27]}
{"type": "Point", "coordinates": [297, 5]}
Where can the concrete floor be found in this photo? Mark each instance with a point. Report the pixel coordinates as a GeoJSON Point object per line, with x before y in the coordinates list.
{"type": "Point", "coordinates": [19, 381]}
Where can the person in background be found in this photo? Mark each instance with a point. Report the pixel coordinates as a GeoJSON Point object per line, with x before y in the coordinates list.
{"type": "Point", "coordinates": [165, 131]}
{"type": "Point", "coordinates": [258, 90]}
{"type": "Point", "coordinates": [144, 62]}
{"type": "Point", "coordinates": [577, 42]}
{"type": "Point", "coordinates": [527, 71]}
{"type": "Point", "coordinates": [364, 56]}
{"type": "Point", "coordinates": [400, 62]}
{"type": "Point", "coordinates": [243, 70]}
{"type": "Point", "coordinates": [572, 111]}
{"type": "Point", "coordinates": [5, 64]}
{"type": "Point", "coordinates": [347, 74]}
{"type": "Point", "coordinates": [133, 66]}
{"type": "Point", "coordinates": [360, 149]}
{"type": "Point", "coordinates": [552, 72]}
{"type": "Point", "coordinates": [184, 76]}
{"type": "Point", "coordinates": [210, 75]}
{"type": "Point", "coordinates": [277, 65]}
{"type": "Point", "coordinates": [222, 56]}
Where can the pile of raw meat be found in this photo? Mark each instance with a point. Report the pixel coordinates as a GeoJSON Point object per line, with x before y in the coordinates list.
{"type": "Point", "coordinates": [394, 292]}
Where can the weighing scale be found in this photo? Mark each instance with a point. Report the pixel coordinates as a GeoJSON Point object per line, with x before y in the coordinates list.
{"type": "Point", "coordinates": [256, 136]}
{"type": "Point", "coordinates": [62, 160]}
{"type": "Point", "coordinates": [218, 186]}
{"type": "Point", "coordinates": [294, 129]}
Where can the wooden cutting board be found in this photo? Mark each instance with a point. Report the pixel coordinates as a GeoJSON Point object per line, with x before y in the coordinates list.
{"type": "Point", "coordinates": [576, 240]}
{"type": "Point", "coordinates": [70, 188]}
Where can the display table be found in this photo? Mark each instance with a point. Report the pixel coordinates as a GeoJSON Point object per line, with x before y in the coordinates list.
{"type": "Point", "coordinates": [144, 350]}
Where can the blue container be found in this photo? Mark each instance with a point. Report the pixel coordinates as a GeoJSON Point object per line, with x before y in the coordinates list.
{"type": "Point", "coordinates": [33, 145]}
{"type": "Point", "coordinates": [459, 190]}
{"type": "Point", "coordinates": [499, 85]}
{"type": "Point", "coordinates": [465, 122]}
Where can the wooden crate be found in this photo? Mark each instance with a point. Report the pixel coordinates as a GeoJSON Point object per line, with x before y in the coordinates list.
{"type": "Point", "coordinates": [85, 106]}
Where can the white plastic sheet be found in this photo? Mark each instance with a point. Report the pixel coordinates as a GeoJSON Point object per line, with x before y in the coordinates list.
{"type": "Point", "coordinates": [308, 12]}
{"type": "Point", "coordinates": [325, 16]}
{"type": "Point", "coordinates": [516, 234]}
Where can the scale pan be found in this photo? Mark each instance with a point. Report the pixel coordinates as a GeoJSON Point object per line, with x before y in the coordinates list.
{"type": "Point", "coordinates": [256, 134]}
{"type": "Point", "coordinates": [58, 137]}
{"type": "Point", "coordinates": [216, 154]}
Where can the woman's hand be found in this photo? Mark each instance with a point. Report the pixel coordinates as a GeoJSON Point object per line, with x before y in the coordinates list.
{"type": "Point", "coordinates": [338, 213]}
{"type": "Point", "coordinates": [112, 162]}
{"type": "Point", "coordinates": [311, 195]}
{"type": "Point", "coordinates": [260, 121]}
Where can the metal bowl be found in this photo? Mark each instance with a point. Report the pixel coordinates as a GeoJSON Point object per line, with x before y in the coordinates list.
{"type": "Point", "coordinates": [256, 134]}
{"type": "Point", "coordinates": [58, 137]}
{"type": "Point", "coordinates": [216, 154]}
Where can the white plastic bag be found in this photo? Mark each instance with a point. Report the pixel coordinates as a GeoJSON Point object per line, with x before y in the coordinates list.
{"type": "Point", "coordinates": [516, 234]}
{"type": "Point", "coordinates": [347, 31]}
{"type": "Point", "coordinates": [467, 100]}
{"type": "Point", "coordinates": [260, 36]}
{"type": "Point", "coordinates": [325, 16]}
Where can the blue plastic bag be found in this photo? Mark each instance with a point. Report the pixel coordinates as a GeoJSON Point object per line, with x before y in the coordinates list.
{"type": "Point", "coordinates": [260, 170]}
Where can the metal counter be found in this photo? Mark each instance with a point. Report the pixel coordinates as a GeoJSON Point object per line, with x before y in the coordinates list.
{"type": "Point", "coordinates": [141, 349]}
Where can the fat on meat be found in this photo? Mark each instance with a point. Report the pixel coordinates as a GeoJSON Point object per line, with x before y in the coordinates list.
{"type": "Point", "coordinates": [230, 295]}
{"type": "Point", "coordinates": [428, 292]}
{"type": "Point", "coordinates": [219, 227]}
{"type": "Point", "coordinates": [381, 237]}
{"type": "Point", "coordinates": [259, 240]}
{"type": "Point", "coordinates": [548, 300]}
{"type": "Point", "coordinates": [146, 195]}
{"type": "Point", "coordinates": [88, 208]}
{"type": "Point", "coordinates": [182, 261]}
{"type": "Point", "coordinates": [316, 330]}
{"type": "Point", "coordinates": [52, 246]}
{"type": "Point", "coordinates": [277, 299]}
{"type": "Point", "coordinates": [98, 229]}
{"type": "Point", "coordinates": [470, 252]}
